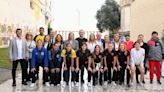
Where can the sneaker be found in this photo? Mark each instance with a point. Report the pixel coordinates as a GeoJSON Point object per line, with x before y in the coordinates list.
{"type": "Point", "coordinates": [151, 81]}
{"type": "Point", "coordinates": [105, 83]}
{"type": "Point", "coordinates": [58, 85]}
{"type": "Point", "coordinates": [132, 83]}
{"type": "Point", "coordinates": [159, 82]}
{"type": "Point", "coordinates": [89, 84]}
{"type": "Point", "coordinates": [77, 84]}
{"type": "Point", "coordinates": [72, 84]}
{"type": "Point", "coordinates": [64, 84]}
{"type": "Point", "coordinates": [114, 83]}
{"type": "Point", "coordinates": [47, 84]}
{"type": "Point", "coordinates": [24, 83]}
{"type": "Point", "coordinates": [52, 85]}
{"type": "Point", "coordinates": [32, 85]}
{"type": "Point", "coordinates": [82, 81]}
{"type": "Point", "coordinates": [14, 83]}
{"type": "Point", "coordinates": [141, 84]}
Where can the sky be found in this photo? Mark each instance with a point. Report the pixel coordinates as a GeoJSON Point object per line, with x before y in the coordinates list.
{"type": "Point", "coordinates": [75, 14]}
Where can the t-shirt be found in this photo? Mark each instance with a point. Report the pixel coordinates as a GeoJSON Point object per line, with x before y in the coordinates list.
{"type": "Point", "coordinates": [81, 40]}
{"type": "Point", "coordinates": [73, 53]}
{"type": "Point", "coordinates": [109, 56]}
{"type": "Point", "coordinates": [83, 57]}
{"type": "Point", "coordinates": [97, 58]}
{"type": "Point", "coordinates": [122, 57]}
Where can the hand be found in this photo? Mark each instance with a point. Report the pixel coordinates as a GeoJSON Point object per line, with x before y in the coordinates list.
{"type": "Point", "coordinates": [119, 67]}
{"type": "Point", "coordinates": [90, 69]}
{"type": "Point", "coordinates": [128, 67]}
{"type": "Point", "coordinates": [72, 69]}
{"type": "Point", "coordinates": [33, 70]}
{"type": "Point", "coordinates": [46, 69]}
{"type": "Point", "coordinates": [65, 68]}
{"type": "Point", "coordinates": [53, 70]}
{"type": "Point", "coordinates": [105, 68]}
{"type": "Point", "coordinates": [115, 68]}
{"type": "Point", "coordinates": [94, 70]}
{"type": "Point", "coordinates": [77, 69]}
{"type": "Point", "coordinates": [101, 70]}
{"type": "Point", "coordinates": [57, 69]}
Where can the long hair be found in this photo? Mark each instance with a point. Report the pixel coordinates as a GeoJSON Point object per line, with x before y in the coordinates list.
{"type": "Point", "coordinates": [124, 50]}
{"type": "Point", "coordinates": [58, 35]}
{"type": "Point", "coordinates": [94, 53]}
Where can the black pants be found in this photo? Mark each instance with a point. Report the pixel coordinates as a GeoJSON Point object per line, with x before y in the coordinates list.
{"type": "Point", "coordinates": [28, 65]}
{"type": "Point", "coordinates": [66, 75]}
{"type": "Point", "coordinates": [23, 64]}
{"type": "Point", "coordinates": [122, 74]}
{"type": "Point", "coordinates": [55, 77]}
{"type": "Point", "coordinates": [82, 72]}
{"type": "Point", "coordinates": [108, 74]}
{"type": "Point", "coordinates": [45, 74]}
{"type": "Point", "coordinates": [99, 76]}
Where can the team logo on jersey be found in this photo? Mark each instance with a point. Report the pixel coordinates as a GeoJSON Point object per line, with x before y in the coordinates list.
{"type": "Point", "coordinates": [36, 53]}
{"type": "Point", "coordinates": [57, 56]}
{"type": "Point", "coordinates": [42, 53]}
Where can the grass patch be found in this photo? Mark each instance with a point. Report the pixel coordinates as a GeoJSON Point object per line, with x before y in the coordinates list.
{"type": "Point", "coordinates": [4, 59]}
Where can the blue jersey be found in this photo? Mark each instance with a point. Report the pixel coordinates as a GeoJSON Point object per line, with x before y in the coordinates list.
{"type": "Point", "coordinates": [55, 58]}
{"type": "Point", "coordinates": [39, 56]}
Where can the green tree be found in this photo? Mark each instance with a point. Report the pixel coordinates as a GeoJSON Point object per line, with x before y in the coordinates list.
{"type": "Point", "coordinates": [108, 16]}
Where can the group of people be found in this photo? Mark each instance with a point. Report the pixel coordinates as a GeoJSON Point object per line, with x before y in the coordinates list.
{"type": "Point", "coordinates": [105, 61]}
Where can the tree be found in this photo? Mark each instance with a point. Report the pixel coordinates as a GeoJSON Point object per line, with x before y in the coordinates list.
{"type": "Point", "coordinates": [108, 16]}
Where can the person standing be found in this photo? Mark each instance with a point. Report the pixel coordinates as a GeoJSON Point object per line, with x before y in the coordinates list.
{"type": "Point", "coordinates": [74, 43]}
{"type": "Point", "coordinates": [155, 56]}
{"type": "Point", "coordinates": [91, 43]}
{"type": "Point", "coordinates": [99, 41]}
{"type": "Point", "coordinates": [116, 42]}
{"type": "Point", "coordinates": [106, 42]}
{"type": "Point", "coordinates": [52, 36]}
{"type": "Point", "coordinates": [17, 54]}
{"type": "Point", "coordinates": [81, 39]}
{"type": "Point", "coordinates": [128, 43]}
{"type": "Point", "coordinates": [30, 44]}
{"type": "Point", "coordinates": [59, 41]}
{"type": "Point", "coordinates": [40, 35]}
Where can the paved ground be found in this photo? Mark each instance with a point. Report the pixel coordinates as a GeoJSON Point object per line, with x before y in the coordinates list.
{"type": "Point", "coordinates": [5, 74]}
{"type": "Point", "coordinates": [6, 87]}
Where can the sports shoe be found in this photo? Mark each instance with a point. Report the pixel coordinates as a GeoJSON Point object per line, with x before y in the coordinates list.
{"type": "Point", "coordinates": [77, 84]}
{"type": "Point", "coordinates": [105, 83]}
{"type": "Point", "coordinates": [32, 85]}
{"type": "Point", "coordinates": [47, 84]}
{"type": "Point", "coordinates": [89, 84]}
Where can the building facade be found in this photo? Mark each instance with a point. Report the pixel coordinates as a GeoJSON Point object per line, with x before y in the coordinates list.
{"type": "Point", "coordinates": [28, 15]}
{"type": "Point", "coordinates": [142, 17]}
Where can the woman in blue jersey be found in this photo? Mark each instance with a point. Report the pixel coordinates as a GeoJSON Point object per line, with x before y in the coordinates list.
{"type": "Point", "coordinates": [39, 58]}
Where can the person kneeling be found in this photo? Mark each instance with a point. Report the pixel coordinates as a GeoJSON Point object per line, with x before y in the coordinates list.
{"type": "Point", "coordinates": [39, 58]}
{"type": "Point", "coordinates": [55, 62]}
{"type": "Point", "coordinates": [137, 59]}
